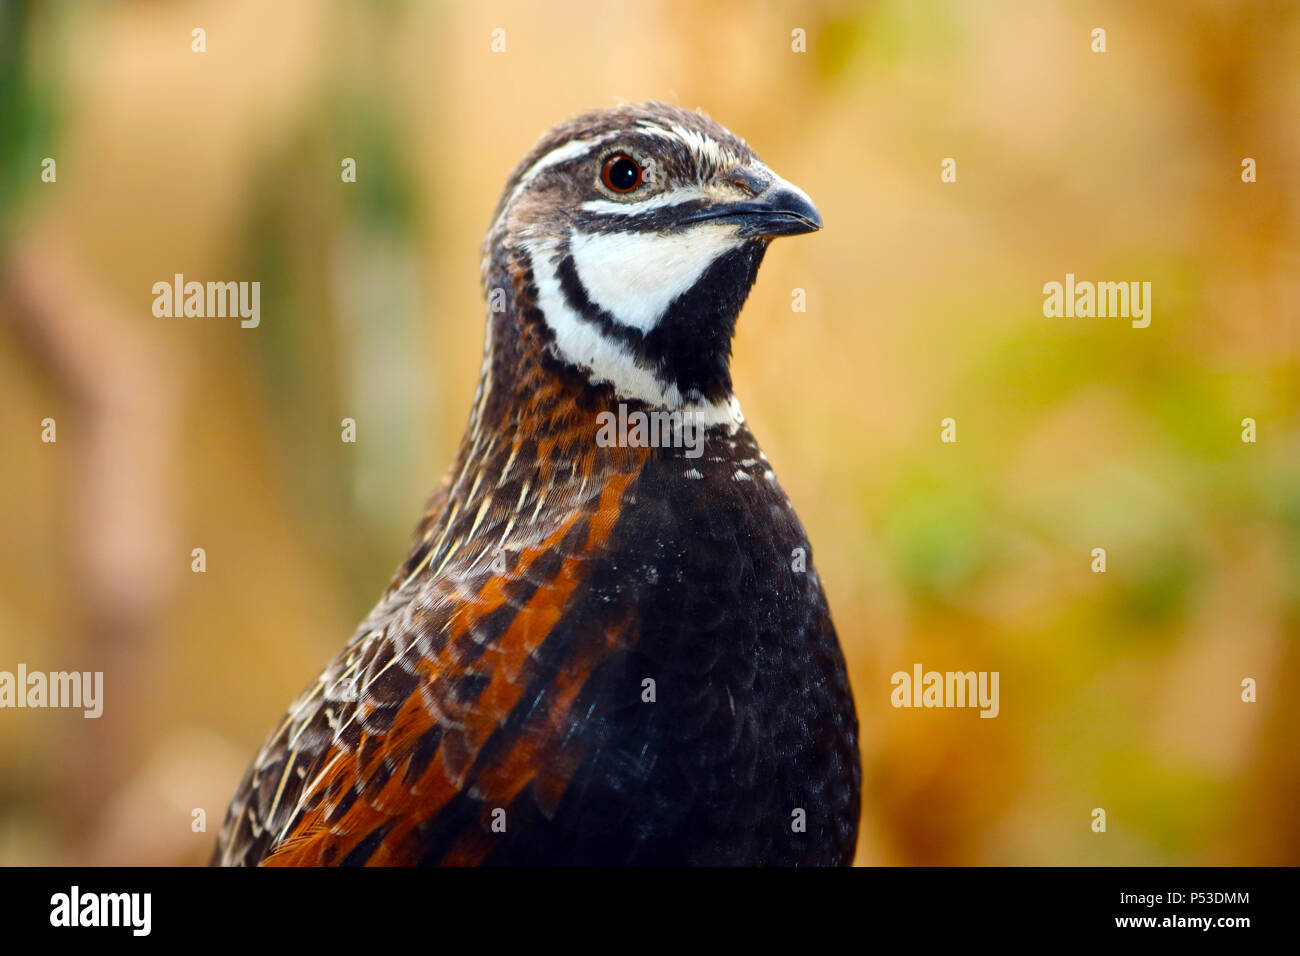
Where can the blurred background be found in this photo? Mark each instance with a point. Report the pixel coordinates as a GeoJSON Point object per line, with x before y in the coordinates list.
{"type": "Point", "coordinates": [924, 301]}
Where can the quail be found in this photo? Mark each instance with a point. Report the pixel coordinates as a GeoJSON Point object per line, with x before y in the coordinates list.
{"type": "Point", "coordinates": [609, 644]}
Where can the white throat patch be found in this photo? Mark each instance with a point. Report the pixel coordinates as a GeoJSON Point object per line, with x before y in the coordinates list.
{"type": "Point", "coordinates": [633, 277]}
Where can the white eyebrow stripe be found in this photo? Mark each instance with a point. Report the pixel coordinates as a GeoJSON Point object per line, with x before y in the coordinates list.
{"type": "Point", "coordinates": [705, 146]}
{"type": "Point", "coordinates": [675, 197]}
{"type": "Point", "coordinates": [701, 144]}
{"type": "Point", "coordinates": [560, 154]}
{"type": "Point", "coordinates": [570, 150]}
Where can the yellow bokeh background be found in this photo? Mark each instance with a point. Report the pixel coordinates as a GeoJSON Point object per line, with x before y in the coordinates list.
{"type": "Point", "coordinates": [1119, 691]}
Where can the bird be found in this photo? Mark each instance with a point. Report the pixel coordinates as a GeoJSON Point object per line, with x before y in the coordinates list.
{"type": "Point", "coordinates": [608, 645]}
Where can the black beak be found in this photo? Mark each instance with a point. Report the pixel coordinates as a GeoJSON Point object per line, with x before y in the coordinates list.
{"type": "Point", "coordinates": [779, 210]}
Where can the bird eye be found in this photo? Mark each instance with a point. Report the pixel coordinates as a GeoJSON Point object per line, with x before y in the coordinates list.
{"type": "Point", "coordinates": [621, 173]}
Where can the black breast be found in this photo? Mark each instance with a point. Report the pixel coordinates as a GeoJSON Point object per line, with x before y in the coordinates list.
{"type": "Point", "coordinates": [747, 753]}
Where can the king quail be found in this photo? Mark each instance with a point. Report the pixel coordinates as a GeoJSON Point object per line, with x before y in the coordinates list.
{"type": "Point", "coordinates": [598, 651]}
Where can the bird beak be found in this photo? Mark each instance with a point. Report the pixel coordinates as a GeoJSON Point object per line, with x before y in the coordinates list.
{"type": "Point", "coordinates": [778, 208]}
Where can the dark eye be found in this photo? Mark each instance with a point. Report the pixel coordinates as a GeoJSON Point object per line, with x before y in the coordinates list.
{"type": "Point", "coordinates": [621, 173]}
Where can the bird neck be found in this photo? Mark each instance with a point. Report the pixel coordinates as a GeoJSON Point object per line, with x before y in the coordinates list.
{"type": "Point", "coordinates": [532, 450]}
{"type": "Point", "coordinates": [542, 325]}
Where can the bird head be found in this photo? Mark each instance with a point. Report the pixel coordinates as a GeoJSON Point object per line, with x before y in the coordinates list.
{"type": "Point", "coordinates": [639, 231]}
